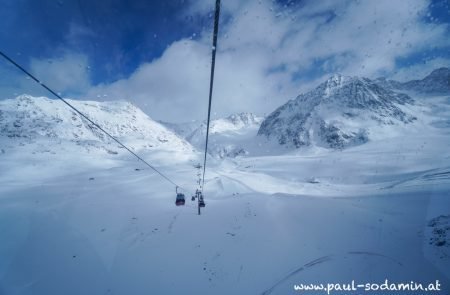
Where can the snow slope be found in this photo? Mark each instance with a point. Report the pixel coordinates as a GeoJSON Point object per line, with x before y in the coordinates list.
{"type": "Point", "coordinates": [33, 118]}
{"type": "Point", "coordinates": [366, 213]}
{"type": "Point", "coordinates": [30, 126]}
{"type": "Point", "coordinates": [265, 227]}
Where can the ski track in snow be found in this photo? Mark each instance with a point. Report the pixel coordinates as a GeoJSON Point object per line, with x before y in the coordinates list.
{"type": "Point", "coordinates": [172, 222]}
{"type": "Point", "coordinates": [322, 260]}
{"type": "Point", "coordinates": [305, 266]}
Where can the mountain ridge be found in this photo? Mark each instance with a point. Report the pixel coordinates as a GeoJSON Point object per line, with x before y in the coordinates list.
{"type": "Point", "coordinates": [336, 114]}
{"type": "Point", "coordinates": [437, 82]}
{"type": "Point", "coordinates": [30, 119]}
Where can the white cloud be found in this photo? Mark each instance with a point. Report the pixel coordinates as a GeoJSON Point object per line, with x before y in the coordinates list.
{"type": "Point", "coordinates": [172, 86]}
{"type": "Point", "coordinates": [175, 87]}
{"type": "Point", "coordinates": [268, 54]}
{"type": "Point", "coordinates": [68, 74]}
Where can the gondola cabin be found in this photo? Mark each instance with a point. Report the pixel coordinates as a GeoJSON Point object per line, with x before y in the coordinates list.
{"type": "Point", "coordinates": [180, 200]}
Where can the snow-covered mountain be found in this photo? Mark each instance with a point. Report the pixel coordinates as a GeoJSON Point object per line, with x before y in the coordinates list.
{"type": "Point", "coordinates": [233, 123]}
{"type": "Point", "coordinates": [50, 123]}
{"type": "Point", "coordinates": [182, 129]}
{"type": "Point", "coordinates": [229, 137]}
{"type": "Point", "coordinates": [437, 82]}
{"type": "Point", "coordinates": [340, 112]}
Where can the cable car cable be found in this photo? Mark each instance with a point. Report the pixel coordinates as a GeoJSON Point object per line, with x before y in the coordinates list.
{"type": "Point", "coordinates": [87, 118]}
{"type": "Point", "coordinates": [211, 83]}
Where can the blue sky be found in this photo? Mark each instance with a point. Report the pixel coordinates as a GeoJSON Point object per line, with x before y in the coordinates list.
{"type": "Point", "coordinates": [117, 36]}
{"type": "Point", "coordinates": [156, 53]}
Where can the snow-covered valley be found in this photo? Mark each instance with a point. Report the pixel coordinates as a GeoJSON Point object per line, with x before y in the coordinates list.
{"type": "Point", "coordinates": [78, 215]}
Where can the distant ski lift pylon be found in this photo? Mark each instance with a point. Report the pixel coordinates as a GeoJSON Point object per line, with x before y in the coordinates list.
{"type": "Point", "coordinates": [201, 202]}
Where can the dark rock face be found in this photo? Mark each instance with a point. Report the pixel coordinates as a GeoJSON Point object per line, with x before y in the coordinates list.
{"type": "Point", "coordinates": [337, 114]}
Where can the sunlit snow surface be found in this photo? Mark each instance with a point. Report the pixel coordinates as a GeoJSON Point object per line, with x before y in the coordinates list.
{"type": "Point", "coordinates": [77, 219]}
